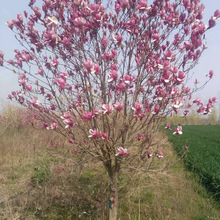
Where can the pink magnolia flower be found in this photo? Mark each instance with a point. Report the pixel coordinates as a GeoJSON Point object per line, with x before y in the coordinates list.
{"type": "Point", "coordinates": [156, 110]}
{"type": "Point", "coordinates": [29, 88]}
{"type": "Point", "coordinates": [104, 41]}
{"type": "Point", "coordinates": [139, 137]}
{"type": "Point", "coordinates": [95, 112]}
{"type": "Point", "coordinates": [123, 3]}
{"type": "Point", "coordinates": [177, 103]}
{"type": "Point", "coordinates": [104, 136]}
{"type": "Point", "coordinates": [45, 125]}
{"type": "Point", "coordinates": [93, 133]}
{"type": "Point", "coordinates": [118, 106]}
{"type": "Point", "coordinates": [122, 152]}
{"type": "Point", "coordinates": [71, 141]}
{"type": "Point", "coordinates": [197, 101]}
{"type": "Point", "coordinates": [149, 154]}
{"type": "Point", "coordinates": [178, 130]}
{"type": "Point", "coordinates": [87, 116]}
{"type": "Point", "coordinates": [168, 127]}
{"type": "Point", "coordinates": [137, 108]}
{"type": "Point", "coordinates": [186, 112]}
{"type": "Point", "coordinates": [142, 5]}
{"type": "Point", "coordinates": [53, 126]}
{"type": "Point", "coordinates": [107, 56]}
{"type": "Point", "coordinates": [41, 72]}
{"type": "Point", "coordinates": [106, 108]}
{"type": "Point", "coordinates": [211, 73]}
{"type": "Point", "coordinates": [66, 115]}
{"type": "Point", "coordinates": [186, 148]}
{"type": "Point", "coordinates": [1, 58]}
{"type": "Point", "coordinates": [118, 39]}
{"type": "Point", "coordinates": [10, 96]}
{"type": "Point", "coordinates": [128, 79]}
{"type": "Point", "coordinates": [68, 122]}
{"type": "Point", "coordinates": [113, 76]}
{"type": "Point", "coordinates": [181, 76]}
{"type": "Point", "coordinates": [160, 155]}
{"type": "Point", "coordinates": [35, 102]}
{"type": "Point", "coordinates": [96, 69]}
{"type": "Point", "coordinates": [88, 65]}
{"type": "Point", "coordinates": [55, 63]}
{"type": "Point", "coordinates": [212, 23]}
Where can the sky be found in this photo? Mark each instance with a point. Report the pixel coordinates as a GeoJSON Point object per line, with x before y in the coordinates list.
{"type": "Point", "coordinates": [210, 59]}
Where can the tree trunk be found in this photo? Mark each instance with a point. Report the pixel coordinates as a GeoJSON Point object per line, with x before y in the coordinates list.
{"type": "Point", "coordinates": [113, 202]}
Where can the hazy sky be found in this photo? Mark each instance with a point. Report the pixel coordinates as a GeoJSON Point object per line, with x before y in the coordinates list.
{"type": "Point", "coordinates": [209, 60]}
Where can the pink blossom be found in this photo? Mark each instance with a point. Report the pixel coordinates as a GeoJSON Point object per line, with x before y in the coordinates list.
{"type": "Point", "coordinates": [45, 125]}
{"type": "Point", "coordinates": [137, 108]}
{"type": "Point", "coordinates": [177, 103]}
{"type": "Point", "coordinates": [41, 72]}
{"type": "Point", "coordinates": [68, 122]}
{"type": "Point", "coordinates": [186, 148]}
{"type": "Point", "coordinates": [88, 65]}
{"type": "Point", "coordinates": [104, 136]}
{"type": "Point", "coordinates": [96, 68]}
{"type": "Point", "coordinates": [10, 97]}
{"type": "Point", "coordinates": [104, 41]}
{"type": "Point", "coordinates": [113, 76]}
{"type": "Point", "coordinates": [168, 127]}
{"type": "Point", "coordinates": [128, 79]}
{"type": "Point", "coordinates": [178, 130]}
{"type": "Point", "coordinates": [216, 14]}
{"type": "Point", "coordinates": [211, 73]}
{"type": "Point", "coordinates": [149, 154]}
{"type": "Point", "coordinates": [66, 115]}
{"type": "Point", "coordinates": [197, 101]}
{"type": "Point", "coordinates": [93, 133]}
{"type": "Point", "coordinates": [122, 152]}
{"type": "Point", "coordinates": [51, 38]}
{"type": "Point", "coordinates": [140, 137]}
{"type": "Point", "coordinates": [181, 76]}
{"type": "Point", "coordinates": [142, 5]}
{"type": "Point", "coordinates": [87, 116]}
{"type": "Point", "coordinates": [160, 155]}
{"type": "Point", "coordinates": [118, 39]}
{"type": "Point", "coordinates": [1, 58]}
{"type": "Point", "coordinates": [29, 88]}
{"type": "Point", "coordinates": [156, 110]}
{"type": "Point", "coordinates": [71, 141]}
{"type": "Point", "coordinates": [123, 3]}
{"type": "Point", "coordinates": [118, 106]}
{"type": "Point", "coordinates": [107, 56]}
{"type": "Point", "coordinates": [54, 126]}
{"type": "Point", "coordinates": [106, 108]}
{"type": "Point", "coordinates": [35, 102]}
{"type": "Point", "coordinates": [95, 112]}
{"type": "Point", "coordinates": [186, 112]}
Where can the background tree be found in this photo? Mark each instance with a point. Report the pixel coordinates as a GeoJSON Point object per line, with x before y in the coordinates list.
{"type": "Point", "coordinates": [213, 117]}
{"type": "Point", "coordinates": [104, 74]}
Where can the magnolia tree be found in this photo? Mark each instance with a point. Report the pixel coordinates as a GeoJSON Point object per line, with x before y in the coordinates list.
{"type": "Point", "coordinates": [105, 73]}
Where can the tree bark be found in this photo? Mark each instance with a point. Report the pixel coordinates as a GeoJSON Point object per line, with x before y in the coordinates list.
{"type": "Point", "coordinates": [113, 203]}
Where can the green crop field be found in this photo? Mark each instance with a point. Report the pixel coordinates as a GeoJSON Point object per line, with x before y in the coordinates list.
{"type": "Point", "coordinates": [203, 155]}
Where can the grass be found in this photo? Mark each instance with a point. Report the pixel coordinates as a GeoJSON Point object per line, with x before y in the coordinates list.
{"type": "Point", "coordinates": [38, 182]}
{"type": "Point", "coordinates": [203, 157]}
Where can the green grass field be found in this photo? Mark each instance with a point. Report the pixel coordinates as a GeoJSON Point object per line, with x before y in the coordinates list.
{"type": "Point", "coordinates": [203, 157]}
